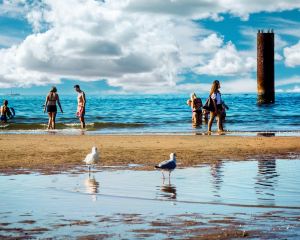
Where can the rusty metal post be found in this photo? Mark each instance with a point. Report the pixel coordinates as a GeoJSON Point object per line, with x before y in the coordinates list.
{"type": "Point", "coordinates": [265, 67]}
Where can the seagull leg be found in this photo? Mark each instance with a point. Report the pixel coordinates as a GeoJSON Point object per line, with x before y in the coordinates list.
{"type": "Point", "coordinates": [169, 177]}
{"type": "Point", "coordinates": [163, 174]}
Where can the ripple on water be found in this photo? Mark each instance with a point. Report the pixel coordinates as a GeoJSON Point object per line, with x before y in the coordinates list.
{"type": "Point", "coordinates": [224, 193]}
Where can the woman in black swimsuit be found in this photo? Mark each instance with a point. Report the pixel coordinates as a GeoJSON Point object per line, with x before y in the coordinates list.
{"type": "Point", "coordinates": [50, 105]}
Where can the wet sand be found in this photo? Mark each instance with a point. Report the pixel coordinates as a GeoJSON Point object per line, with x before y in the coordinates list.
{"type": "Point", "coordinates": [230, 202]}
{"type": "Point", "coordinates": [51, 153]}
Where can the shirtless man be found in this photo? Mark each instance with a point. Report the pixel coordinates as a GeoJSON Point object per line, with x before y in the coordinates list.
{"type": "Point", "coordinates": [81, 105]}
{"type": "Point", "coordinates": [4, 111]}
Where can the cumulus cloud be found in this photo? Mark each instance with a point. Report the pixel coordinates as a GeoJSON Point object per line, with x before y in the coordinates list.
{"type": "Point", "coordinates": [12, 8]}
{"type": "Point", "coordinates": [98, 41]}
{"type": "Point", "coordinates": [137, 45]}
{"type": "Point", "coordinates": [228, 61]}
{"type": "Point", "coordinates": [245, 85]}
{"type": "Point", "coordinates": [200, 9]}
{"type": "Point", "coordinates": [7, 41]}
{"type": "Point", "coordinates": [292, 55]}
{"type": "Point", "coordinates": [291, 84]}
{"type": "Point", "coordinates": [296, 89]}
{"type": "Point", "coordinates": [288, 81]}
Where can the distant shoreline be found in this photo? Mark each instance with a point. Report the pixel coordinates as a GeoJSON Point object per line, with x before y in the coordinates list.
{"type": "Point", "coordinates": [55, 153]}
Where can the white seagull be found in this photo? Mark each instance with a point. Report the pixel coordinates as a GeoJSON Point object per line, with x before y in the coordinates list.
{"type": "Point", "coordinates": [92, 158]}
{"type": "Point", "coordinates": [168, 165]}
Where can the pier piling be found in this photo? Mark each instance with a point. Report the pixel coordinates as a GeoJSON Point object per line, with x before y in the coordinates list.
{"type": "Point", "coordinates": [265, 67]}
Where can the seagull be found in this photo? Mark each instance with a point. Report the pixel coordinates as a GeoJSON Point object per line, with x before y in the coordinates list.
{"type": "Point", "coordinates": [168, 165]}
{"type": "Point", "coordinates": [92, 158]}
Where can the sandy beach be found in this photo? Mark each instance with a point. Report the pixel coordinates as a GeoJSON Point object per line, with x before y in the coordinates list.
{"type": "Point", "coordinates": [222, 200]}
{"type": "Point", "coordinates": [57, 152]}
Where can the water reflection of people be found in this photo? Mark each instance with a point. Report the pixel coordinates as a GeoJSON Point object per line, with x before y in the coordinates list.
{"type": "Point", "coordinates": [217, 174]}
{"type": "Point", "coordinates": [266, 181]}
{"type": "Point", "coordinates": [168, 191]}
{"type": "Point", "coordinates": [92, 186]}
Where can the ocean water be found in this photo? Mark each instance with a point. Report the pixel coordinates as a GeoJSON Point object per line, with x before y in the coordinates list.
{"type": "Point", "coordinates": [155, 114]}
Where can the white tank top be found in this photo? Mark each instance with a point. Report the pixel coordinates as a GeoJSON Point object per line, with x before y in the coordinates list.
{"type": "Point", "coordinates": [217, 97]}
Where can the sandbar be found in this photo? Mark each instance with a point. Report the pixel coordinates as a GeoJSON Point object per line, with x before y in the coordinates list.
{"type": "Point", "coordinates": [62, 152]}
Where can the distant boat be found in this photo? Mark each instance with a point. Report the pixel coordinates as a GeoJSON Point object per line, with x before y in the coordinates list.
{"type": "Point", "coordinates": [14, 94]}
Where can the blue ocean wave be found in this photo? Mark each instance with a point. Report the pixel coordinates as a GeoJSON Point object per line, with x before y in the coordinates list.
{"type": "Point", "coordinates": [157, 113]}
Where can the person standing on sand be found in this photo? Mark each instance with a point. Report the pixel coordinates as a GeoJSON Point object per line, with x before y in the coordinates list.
{"type": "Point", "coordinates": [80, 105]}
{"type": "Point", "coordinates": [50, 105]}
{"type": "Point", "coordinates": [216, 98]}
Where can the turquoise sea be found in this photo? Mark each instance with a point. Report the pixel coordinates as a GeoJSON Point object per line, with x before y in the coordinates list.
{"type": "Point", "coordinates": [154, 114]}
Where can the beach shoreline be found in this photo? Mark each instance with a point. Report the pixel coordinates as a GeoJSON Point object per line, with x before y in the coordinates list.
{"type": "Point", "coordinates": [55, 153]}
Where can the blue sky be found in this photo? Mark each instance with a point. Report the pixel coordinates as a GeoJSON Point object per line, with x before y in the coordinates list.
{"type": "Point", "coordinates": [141, 47]}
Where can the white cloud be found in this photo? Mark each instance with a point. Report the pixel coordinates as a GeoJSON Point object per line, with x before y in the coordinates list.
{"type": "Point", "coordinates": [137, 45]}
{"type": "Point", "coordinates": [8, 41]}
{"type": "Point", "coordinates": [295, 89]}
{"type": "Point", "coordinates": [96, 41]}
{"type": "Point", "coordinates": [228, 61]}
{"type": "Point", "coordinates": [292, 55]}
{"type": "Point", "coordinates": [291, 80]}
{"type": "Point", "coordinates": [12, 7]}
{"type": "Point", "coordinates": [291, 84]}
{"type": "Point", "coordinates": [200, 9]}
{"type": "Point", "coordinates": [285, 26]}
{"type": "Point", "coordinates": [245, 85]}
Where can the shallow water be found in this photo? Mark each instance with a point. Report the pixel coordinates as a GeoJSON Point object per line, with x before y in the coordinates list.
{"type": "Point", "coordinates": [155, 114]}
{"type": "Point", "coordinates": [259, 196]}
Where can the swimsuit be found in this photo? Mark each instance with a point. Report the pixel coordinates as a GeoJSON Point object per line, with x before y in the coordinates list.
{"type": "Point", "coordinates": [3, 118]}
{"type": "Point", "coordinates": [198, 105]}
{"type": "Point", "coordinates": [80, 108]}
{"type": "Point", "coordinates": [50, 106]}
{"type": "Point", "coordinates": [80, 111]}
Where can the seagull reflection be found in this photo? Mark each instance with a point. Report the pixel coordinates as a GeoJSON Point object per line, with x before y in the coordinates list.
{"type": "Point", "coordinates": [167, 191]}
{"type": "Point", "coordinates": [92, 186]}
{"type": "Point", "coordinates": [266, 180]}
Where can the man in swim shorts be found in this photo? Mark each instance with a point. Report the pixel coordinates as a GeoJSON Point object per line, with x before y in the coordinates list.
{"type": "Point", "coordinates": [81, 101]}
{"type": "Point", "coordinates": [4, 112]}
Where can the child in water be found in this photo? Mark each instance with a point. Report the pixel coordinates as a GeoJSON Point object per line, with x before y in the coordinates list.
{"type": "Point", "coordinates": [224, 108]}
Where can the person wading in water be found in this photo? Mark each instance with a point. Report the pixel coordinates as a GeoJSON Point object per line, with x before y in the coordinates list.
{"type": "Point", "coordinates": [80, 105]}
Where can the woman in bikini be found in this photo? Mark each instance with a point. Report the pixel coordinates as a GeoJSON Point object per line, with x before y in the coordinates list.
{"type": "Point", "coordinates": [196, 105]}
{"type": "Point", "coordinates": [50, 106]}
